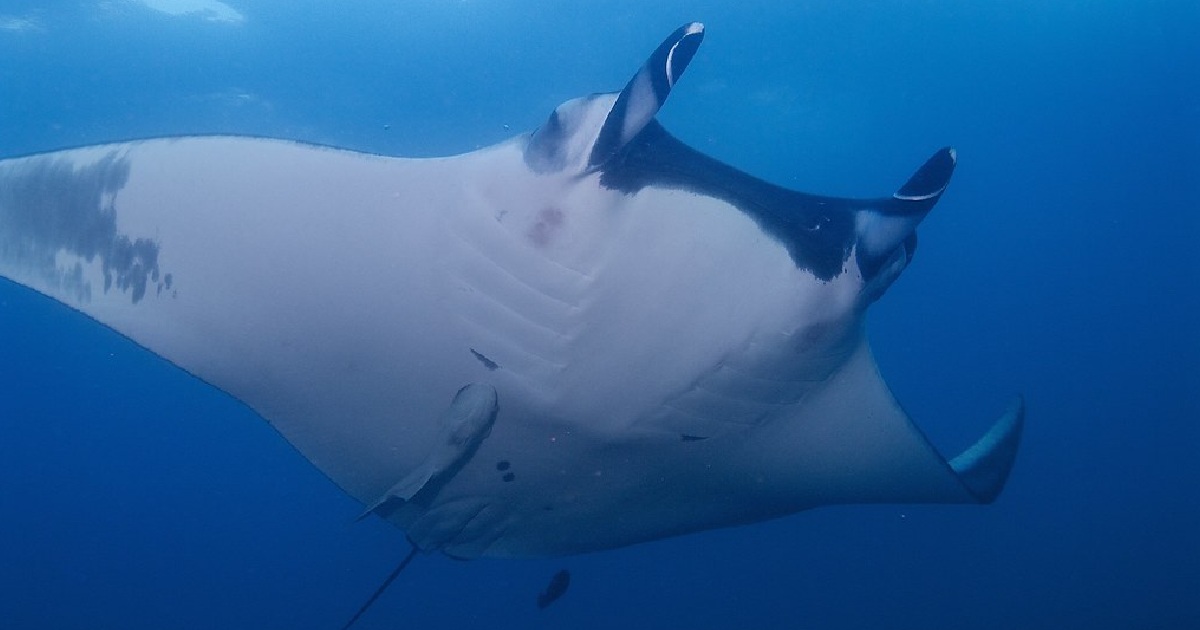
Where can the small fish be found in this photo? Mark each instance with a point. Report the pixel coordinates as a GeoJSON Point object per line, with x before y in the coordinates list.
{"type": "Point", "coordinates": [555, 589]}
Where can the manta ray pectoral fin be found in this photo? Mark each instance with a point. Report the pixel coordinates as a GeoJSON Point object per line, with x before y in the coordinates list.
{"type": "Point", "coordinates": [461, 429]}
{"type": "Point", "coordinates": [983, 468]}
{"type": "Point", "coordinates": [646, 92]}
{"type": "Point", "coordinates": [851, 442]}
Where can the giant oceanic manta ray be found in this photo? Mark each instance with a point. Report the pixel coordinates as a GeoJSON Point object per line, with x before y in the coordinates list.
{"type": "Point", "coordinates": [582, 338]}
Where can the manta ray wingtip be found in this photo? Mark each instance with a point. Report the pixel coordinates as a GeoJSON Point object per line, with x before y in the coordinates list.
{"type": "Point", "coordinates": [984, 467]}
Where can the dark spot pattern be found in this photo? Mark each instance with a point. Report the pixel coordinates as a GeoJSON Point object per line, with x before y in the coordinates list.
{"type": "Point", "coordinates": [48, 205]}
{"type": "Point", "coordinates": [503, 465]}
{"type": "Point", "coordinates": [549, 222]}
{"type": "Point", "coordinates": [508, 476]}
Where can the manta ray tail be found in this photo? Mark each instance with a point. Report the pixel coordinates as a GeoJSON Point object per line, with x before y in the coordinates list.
{"type": "Point", "coordinates": [383, 587]}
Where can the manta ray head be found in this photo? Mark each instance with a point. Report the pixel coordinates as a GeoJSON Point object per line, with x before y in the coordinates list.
{"type": "Point", "coordinates": [616, 136]}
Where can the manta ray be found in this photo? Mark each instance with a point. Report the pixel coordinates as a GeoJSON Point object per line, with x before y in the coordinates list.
{"type": "Point", "coordinates": [585, 337]}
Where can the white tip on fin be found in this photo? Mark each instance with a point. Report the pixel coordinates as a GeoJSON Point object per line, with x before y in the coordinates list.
{"type": "Point", "coordinates": [983, 468]}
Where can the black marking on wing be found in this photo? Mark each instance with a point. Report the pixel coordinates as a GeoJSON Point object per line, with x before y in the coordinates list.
{"type": "Point", "coordinates": [47, 205]}
{"type": "Point", "coordinates": [817, 231]}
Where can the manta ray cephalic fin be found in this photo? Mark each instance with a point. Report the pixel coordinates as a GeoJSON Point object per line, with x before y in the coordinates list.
{"type": "Point", "coordinates": [646, 92]}
{"type": "Point", "coordinates": [885, 225]}
{"type": "Point", "coordinates": [583, 134]}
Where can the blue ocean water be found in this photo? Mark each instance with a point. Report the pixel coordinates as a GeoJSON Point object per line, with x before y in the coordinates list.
{"type": "Point", "coordinates": [1061, 264]}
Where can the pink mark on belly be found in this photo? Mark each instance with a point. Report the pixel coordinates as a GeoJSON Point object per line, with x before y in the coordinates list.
{"type": "Point", "coordinates": [549, 222]}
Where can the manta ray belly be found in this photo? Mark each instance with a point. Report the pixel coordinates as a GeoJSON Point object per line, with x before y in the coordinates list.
{"type": "Point", "coordinates": [629, 346]}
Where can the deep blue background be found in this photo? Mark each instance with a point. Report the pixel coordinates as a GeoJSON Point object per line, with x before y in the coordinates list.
{"type": "Point", "coordinates": [1062, 264]}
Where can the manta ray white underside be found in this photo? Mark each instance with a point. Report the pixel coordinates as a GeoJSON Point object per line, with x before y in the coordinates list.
{"type": "Point", "coordinates": [586, 337]}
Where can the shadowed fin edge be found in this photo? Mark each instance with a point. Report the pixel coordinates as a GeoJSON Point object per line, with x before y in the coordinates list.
{"type": "Point", "coordinates": [984, 467]}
